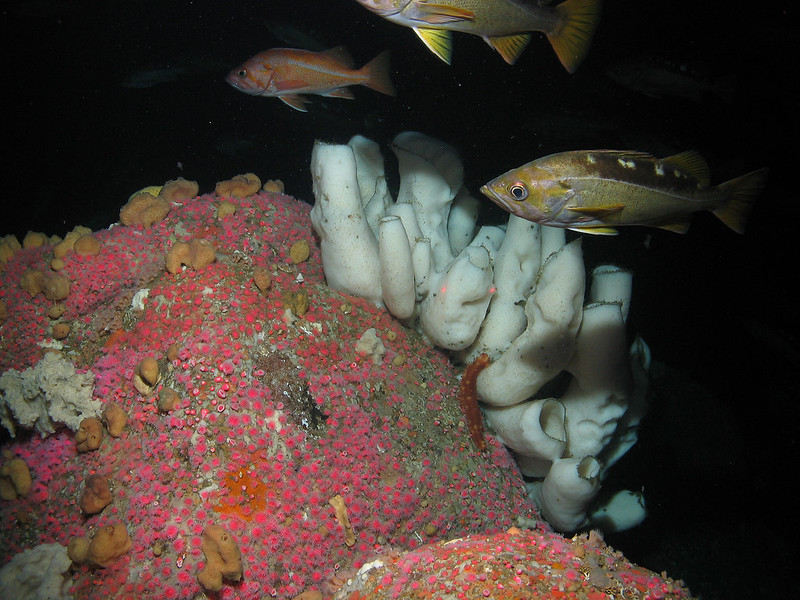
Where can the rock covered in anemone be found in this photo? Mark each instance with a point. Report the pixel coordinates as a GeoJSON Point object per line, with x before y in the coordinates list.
{"type": "Point", "coordinates": [277, 413]}
{"type": "Point", "coordinates": [511, 565]}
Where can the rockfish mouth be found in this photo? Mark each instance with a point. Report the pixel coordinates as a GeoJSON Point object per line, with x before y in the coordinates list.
{"type": "Point", "coordinates": [384, 8]}
{"type": "Point", "coordinates": [494, 197]}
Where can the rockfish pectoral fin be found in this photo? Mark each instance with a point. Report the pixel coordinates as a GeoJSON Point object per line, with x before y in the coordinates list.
{"type": "Point", "coordinates": [282, 85]}
{"type": "Point", "coordinates": [438, 41]}
{"type": "Point", "coordinates": [438, 14]}
{"type": "Point", "coordinates": [595, 230]}
{"type": "Point", "coordinates": [597, 212]}
{"type": "Point", "coordinates": [297, 102]}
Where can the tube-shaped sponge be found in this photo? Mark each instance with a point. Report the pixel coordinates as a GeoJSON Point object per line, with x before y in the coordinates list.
{"type": "Point", "coordinates": [347, 244]}
{"type": "Point", "coordinates": [569, 487]}
{"type": "Point", "coordinates": [397, 270]}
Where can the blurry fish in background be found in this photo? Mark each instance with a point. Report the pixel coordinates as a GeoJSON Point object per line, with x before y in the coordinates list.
{"type": "Point", "coordinates": [289, 73]}
{"type": "Point", "coordinates": [566, 126]}
{"type": "Point", "coordinates": [582, 120]}
{"type": "Point", "coordinates": [294, 36]}
{"type": "Point", "coordinates": [594, 191]}
{"type": "Point", "coordinates": [236, 145]}
{"type": "Point", "coordinates": [44, 9]}
{"type": "Point", "coordinates": [777, 338]}
{"type": "Point", "coordinates": [657, 77]}
{"type": "Point", "coordinates": [148, 78]}
{"type": "Point", "coordinates": [504, 24]}
{"type": "Point", "coordinates": [181, 69]}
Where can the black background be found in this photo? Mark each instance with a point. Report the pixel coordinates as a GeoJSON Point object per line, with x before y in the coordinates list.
{"type": "Point", "coordinates": [716, 453]}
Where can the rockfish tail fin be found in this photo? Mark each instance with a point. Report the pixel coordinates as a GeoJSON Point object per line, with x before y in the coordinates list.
{"type": "Point", "coordinates": [744, 191]}
{"type": "Point", "coordinates": [377, 74]}
{"type": "Point", "coordinates": [571, 39]}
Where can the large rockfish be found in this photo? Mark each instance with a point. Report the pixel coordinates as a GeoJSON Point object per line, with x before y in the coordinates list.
{"type": "Point", "coordinates": [594, 191]}
{"type": "Point", "coordinates": [504, 24]}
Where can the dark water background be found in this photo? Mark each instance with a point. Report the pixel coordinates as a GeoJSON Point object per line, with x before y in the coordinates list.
{"type": "Point", "coordinates": [716, 454]}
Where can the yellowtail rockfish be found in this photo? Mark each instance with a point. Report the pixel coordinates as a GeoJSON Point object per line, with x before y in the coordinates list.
{"type": "Point", "coordinates": [504, 24]}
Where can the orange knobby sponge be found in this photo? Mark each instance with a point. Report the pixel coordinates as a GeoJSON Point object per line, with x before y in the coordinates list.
{"type": "Point", "coordinates": [340, 508]}
{"type": "Point", "coordinates": [9, 245]}
{"type": "Point", "coordinates": [223, 558]}
{"type": "Point", "coordinates": [34, 239]}
{"type": "Point", "coordinates": [262, 279]}
{"type": "Point", "coordinates": [108, 544]}
{"type": "Point", "coordinates": [180, 189]}
{"type": "Point", "coordinates": [273, 185]}
{"type": "Point", "coordinates": [15, 479]}
{"type": "Point", "coordinates": [87, 245]}
{"type": "Point", "coordinates": [146, 375]}
{"type": "Point", "coordinates": [89, 435]}
{"type": "Point", "coordinates": [115, 419]}
{"type": "Point", "coordinates": [52, 285]}
{"type": "Point", "coordinates": [144, 208]}
{"type": "Point", "coordinates": [240, 186]}
{"type": "Point", "coordinates": [196, 254]}
{"type": "Point", "coordinates": [96, 494]}
{"type": "Point", "coordinates": [65, 246]}
{"type": "Point", "coordinates": [225, 209]}
{"type": "Point", "coordinates": [78, 549]}
{"type": "Point", "coordinates": [168, 399]}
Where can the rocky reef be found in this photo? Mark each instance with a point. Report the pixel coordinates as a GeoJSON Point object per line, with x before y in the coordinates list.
{"type": "Point", "coordinates": [286, 432]}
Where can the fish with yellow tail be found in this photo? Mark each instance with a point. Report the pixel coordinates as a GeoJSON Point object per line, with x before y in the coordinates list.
{"type": "Point", "coordinates": [288, 74]}
{"type": "Point", "coordinates": [595, 191]}
{"type": "Point", "coordinates": [504, 24]}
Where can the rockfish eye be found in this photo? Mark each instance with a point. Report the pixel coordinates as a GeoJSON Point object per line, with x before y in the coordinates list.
{"type": "Point", "coordinates": [518, 191]}
{"type": "Point", "coordinates": [242, 73]}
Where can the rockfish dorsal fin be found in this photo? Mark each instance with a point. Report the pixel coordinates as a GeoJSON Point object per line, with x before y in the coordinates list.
{"type": "Point", "coordinates": [438, 41]}
{"type": "Point", "coordinates": [509, 46]}
{"type": "Point", "coordinates": [691, 163]}
{"type": "Point", "coordinates": [341, 55]}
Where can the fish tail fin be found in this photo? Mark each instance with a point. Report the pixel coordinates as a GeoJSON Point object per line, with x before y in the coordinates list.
{"type": "Point", "coordinates": [571, 39]}
{"type": "Point", "coordinates": [376, 72]}
{"type": "Point", "coordinates": [744, 191]}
